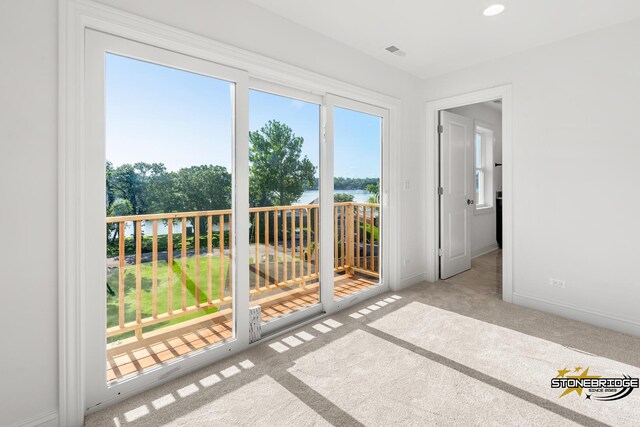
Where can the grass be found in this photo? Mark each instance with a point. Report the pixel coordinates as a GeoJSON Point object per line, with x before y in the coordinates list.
{"type": "Point", "coordinates": [367, 230]}
{"type": "Point", "coordinates": [163, 291]}
{"type": "Point", "coordinates": [163, 274]}
{"type": "Point", "coordinates": [147, 243]}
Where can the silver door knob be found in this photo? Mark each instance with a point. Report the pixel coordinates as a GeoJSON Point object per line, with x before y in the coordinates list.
{"type": "Point", "coordinates": [469, 201]}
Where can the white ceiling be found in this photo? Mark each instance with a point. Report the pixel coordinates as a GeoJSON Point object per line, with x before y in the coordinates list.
{"type": "Point", "coordinates": [440, 36]}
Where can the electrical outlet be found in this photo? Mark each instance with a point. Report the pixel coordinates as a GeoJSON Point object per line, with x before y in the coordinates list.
{"type": "Point", "coordinates": [558, 283]}
{"type": "Point", "coordinates": [406, 262]}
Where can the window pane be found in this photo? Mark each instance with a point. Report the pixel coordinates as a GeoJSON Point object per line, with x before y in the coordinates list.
{"type": "Point", "coordinates": [479, 187]}
{"type": "Point", "coordinates": [357, 178]}
{"type": "Point", "coordinates": [284, 149]}
{"type": "Point", "coordinates": [169, 144]}
{"type": "Point", "coordinates": [478, 150]}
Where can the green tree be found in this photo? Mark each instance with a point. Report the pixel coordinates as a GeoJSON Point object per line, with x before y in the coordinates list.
{"type": "Point", "coordinates": [374, 189]}
{"type": "Point", "coordinates": [111, 196]}
{"type": "Point", "coordinates": [148, 188]}
{"type": "Point", "coordinates": [159, 188]}
{"type": "Point", "coordinates": [200, 188]}
{"type": "Point", "coordinates": [119, 207]}
{"type": "Point", "coordinates": [135, 190]}
{"type": "Point", "coordinates": [341, 183]}
{"type": "Point", "coordinates": [342, 197]}
{"type": "Point", "coordinates": [278, 172]}
{"type": "Point", "coordinates": [123, 183]}
{"type": "Point", "coordinates": [139, 184]}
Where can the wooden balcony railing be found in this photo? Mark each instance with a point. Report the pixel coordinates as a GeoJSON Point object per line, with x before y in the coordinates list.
{"type": "Point", "coordinates": [191, 257]}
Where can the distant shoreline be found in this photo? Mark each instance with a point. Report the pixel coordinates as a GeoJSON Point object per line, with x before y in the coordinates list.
{"type": "Point", "coordinates": [360, 196]}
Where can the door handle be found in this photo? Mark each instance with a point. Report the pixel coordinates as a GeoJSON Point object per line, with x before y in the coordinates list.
{"type": "Point", "coordinates": [469, 201]}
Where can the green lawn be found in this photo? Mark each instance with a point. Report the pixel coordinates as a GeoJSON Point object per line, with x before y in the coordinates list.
{"type": "Point", "coordinates": [147, 243]}
{"type": "Point", "coordinates": [163, 274]}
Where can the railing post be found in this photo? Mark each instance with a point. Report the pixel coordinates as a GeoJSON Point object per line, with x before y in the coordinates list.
{"type": "Point", "coordinates": [121, 272]}
{"type": "Point", "coordinates": [138, 279]}
{"type": "Point", "coordinates": [348, 238]}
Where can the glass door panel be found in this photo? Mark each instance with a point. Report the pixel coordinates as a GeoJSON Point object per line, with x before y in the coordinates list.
{"type": "Point", "coordinates": [357, 218]}
{"type": "Point", "coordinates": [284, 168]}
{"type": "Point", "coordinates": [169, 145]}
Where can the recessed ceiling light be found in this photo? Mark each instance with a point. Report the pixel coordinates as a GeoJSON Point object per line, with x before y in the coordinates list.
{"type": "Point", "coordinates": [493, 10]}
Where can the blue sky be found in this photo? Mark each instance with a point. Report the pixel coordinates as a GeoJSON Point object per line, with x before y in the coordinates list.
{"type": "Point", "coordinates": [164, 115]}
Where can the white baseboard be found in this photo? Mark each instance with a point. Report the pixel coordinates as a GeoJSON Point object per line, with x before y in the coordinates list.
{"type": "Point", "coordinates": [48, 419]}
{"type": "Point", "coordinates": [412, 280]}
{"type": "Point", "coordinates": [581, 314]}
{"type": "Point", "coordinates": [484, 250]}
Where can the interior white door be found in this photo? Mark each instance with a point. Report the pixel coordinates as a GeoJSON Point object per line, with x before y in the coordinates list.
{"type": "Point", "coordinates": [457, 195]}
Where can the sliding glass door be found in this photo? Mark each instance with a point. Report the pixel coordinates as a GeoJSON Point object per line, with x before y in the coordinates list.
{"type": "Point", "coordinates": [357, 134]}
{"type": "Point", "coordinates": [161, 131]}
{"type": "Point", "coordinates": [284, 197]}
{"type": "Point", "coordinates": [209, 195]}
{"type": "Point", "coordinates": [168, 212]}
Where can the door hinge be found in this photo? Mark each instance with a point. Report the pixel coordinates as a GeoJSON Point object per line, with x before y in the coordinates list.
{"type": "Point", "coordinates": [440, 129]}
{"type": "Point", "coordinates": [440, 191]}
{"type": "Point", "coordinates": [440, 252]}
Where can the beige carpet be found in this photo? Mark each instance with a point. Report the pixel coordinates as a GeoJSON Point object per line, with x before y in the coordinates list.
{"type": "Point", "coordinates": [449, 353]}
{"type": "Point", "coordinates": [380, 383]}
{"type": "Point", "coordinates": [518, 359]}
{"type": "Point", "coordinates": [262, 402]}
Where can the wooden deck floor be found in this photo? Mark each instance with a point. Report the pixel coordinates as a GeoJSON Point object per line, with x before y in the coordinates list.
{"type": "Point", "coordinates": [133, 356]}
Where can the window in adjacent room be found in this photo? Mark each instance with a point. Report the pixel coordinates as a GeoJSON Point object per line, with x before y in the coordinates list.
{"type": "Point", "coordinates": [483, 162]}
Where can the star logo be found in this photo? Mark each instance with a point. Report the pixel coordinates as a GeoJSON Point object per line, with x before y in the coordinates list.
{"type": "Point", "coordinates": [596, 387]}
{"type": "Point", "coordinates": [584, 374]}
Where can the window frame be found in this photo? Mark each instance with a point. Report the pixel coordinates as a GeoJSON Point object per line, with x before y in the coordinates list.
{"type": "Point", "coordinates": [487, 133]}
{"type": "Point", "coordinates": [98, 44]}
{"type": "Point", "coordinates": [331, 103]}
{"type": "Point", "coordinates": [295, 318]}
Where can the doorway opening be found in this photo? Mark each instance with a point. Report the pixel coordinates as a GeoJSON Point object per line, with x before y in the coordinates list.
{"type": "Point", "coordinates": [470, 196]}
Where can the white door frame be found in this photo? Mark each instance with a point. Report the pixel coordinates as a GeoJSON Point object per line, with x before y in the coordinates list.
{"type": "Point", "coordinates": [75, 17]}
{"type": "Point", "coordinates": [432, 162]}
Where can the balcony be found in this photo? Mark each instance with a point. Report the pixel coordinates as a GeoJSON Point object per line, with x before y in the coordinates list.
{"type": "Point", "coordinates": [169, 281]}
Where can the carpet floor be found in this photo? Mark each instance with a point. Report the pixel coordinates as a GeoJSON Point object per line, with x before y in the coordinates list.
{"type": "Point", "coordinates": [447, 353]}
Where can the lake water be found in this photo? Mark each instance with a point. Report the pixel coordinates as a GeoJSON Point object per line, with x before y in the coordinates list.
{"type": "Point", "coordinates": [361, 196]}
{"type": "Point", "coordinates": [307, 197]}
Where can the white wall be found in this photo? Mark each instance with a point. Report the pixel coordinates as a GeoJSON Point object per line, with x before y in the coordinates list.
{"type": "Point", "coordinates": [483, 223]}
{"type": "Point", "coordinates": [28, 209]}
{"type": "Point", "coordinates": [28, 161]}
{"type": "Point", "coordinates": [575, 164]}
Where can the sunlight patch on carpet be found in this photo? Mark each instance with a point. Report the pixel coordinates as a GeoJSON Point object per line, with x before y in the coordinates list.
{"type": "Point", "coordinates": [522, 360]}
{"type": "Point", "coordinates": [263, 402]}
{"type": "Point", "coordinates": [380, 383]}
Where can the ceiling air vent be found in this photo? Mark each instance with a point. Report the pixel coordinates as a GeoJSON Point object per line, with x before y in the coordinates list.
{"type": "Point", "coordinates": [396, 50]}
